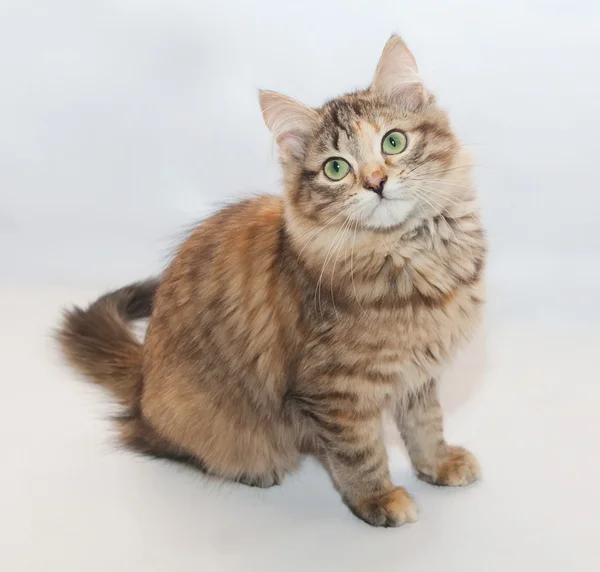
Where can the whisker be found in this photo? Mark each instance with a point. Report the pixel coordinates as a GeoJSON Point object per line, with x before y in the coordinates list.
{"type": "Point", "coordinates": [453, 199]}
{"type": "Point", "coordinates": [449, 169]}
{"type": "Point", "coordinates": [328, 256]}
{"type": "Point", "coordinates": [421, 196]}
{"type": "Point", "coordinates": [455, 219]}
{"type": "Point", "coordinates": [318, 287]}
{"type": "Point", "coordinates": [318, 231]}
{"type": "Point", "coordinates": [432, 159]}
{"type": "Point", "coordinates": [352, 273]}
{"type": "Point", "coordinates": [347, 224]}
{"type": "Point", "coordinates": [441, 181]}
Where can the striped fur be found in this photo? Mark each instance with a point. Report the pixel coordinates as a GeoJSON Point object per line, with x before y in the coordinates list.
{"type": "Point", "coordinates": [287, 325]}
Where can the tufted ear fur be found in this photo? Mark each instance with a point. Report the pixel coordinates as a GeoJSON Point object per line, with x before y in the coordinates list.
{"type": "Point", "coordinates": [397, 74]}
{"type": "Point", "coordinates": [289, 121]}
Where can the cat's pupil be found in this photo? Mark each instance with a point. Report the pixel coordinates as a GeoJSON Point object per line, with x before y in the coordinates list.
{"type": "Point", "coordinates": [392, 142]}
{"type": "Point", "coordinates": [336, 166]}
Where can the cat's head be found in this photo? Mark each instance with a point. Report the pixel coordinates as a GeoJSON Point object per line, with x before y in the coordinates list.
{"type": "Point", "coordinates": [377, 157]}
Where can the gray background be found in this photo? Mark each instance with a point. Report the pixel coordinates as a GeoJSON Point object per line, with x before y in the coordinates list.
{"type": "Point", "coordinates": [123, 122]}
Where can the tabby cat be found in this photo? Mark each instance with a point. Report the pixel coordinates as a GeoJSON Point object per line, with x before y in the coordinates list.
{"type": "Point", "coordinates": [286, 325]}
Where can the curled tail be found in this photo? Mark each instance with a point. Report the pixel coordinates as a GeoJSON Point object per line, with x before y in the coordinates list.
{"type": "Point", "coordinates": [99, 343]}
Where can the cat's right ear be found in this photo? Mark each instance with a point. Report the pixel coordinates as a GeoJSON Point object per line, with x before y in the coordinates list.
{"type": "Point", "coordinates": [290, 122]}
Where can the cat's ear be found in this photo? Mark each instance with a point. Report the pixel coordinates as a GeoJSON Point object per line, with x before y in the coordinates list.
{"type": "Point", "coordinates": [397, 74]}
{"type": "Point", "coordinates": [289, 121]}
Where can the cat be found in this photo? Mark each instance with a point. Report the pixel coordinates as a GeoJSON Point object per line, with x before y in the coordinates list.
{"type": "Point", "coordinates": [286, 325]}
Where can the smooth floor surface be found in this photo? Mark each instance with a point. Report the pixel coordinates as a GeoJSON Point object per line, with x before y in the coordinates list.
{"type": "Point", "coordinates": [525, 397]}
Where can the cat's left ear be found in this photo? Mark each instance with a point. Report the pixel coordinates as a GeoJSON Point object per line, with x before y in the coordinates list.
{"type": "Point", "coordinates": [397, 74]}
{"type": "Point", "coordinates": [290, 122]}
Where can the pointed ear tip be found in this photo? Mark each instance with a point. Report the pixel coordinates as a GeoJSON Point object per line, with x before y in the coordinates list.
{"type": "Point", "coordinates": [265, 97]}
{"type": "Point", "coordinates": [396, 39]}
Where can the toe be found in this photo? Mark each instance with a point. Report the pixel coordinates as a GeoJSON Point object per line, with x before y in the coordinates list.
{"type": "Point", "coordinates": [458, 468]}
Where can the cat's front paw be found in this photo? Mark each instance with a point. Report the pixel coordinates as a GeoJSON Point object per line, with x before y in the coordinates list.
{"type": "Point", "coordinates": [393, 508]}
{"type": "Point", "coordinates": [457, 468]}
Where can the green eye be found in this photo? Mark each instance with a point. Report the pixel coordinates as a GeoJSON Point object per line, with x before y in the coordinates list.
{"type": "Point", "coordinates": [393, 143]}
{"type": "Point", "coordinates": [336, 169]}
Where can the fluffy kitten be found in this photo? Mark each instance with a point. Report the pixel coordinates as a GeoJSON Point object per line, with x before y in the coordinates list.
{"type": "Point", "coordinates": [286, 325]}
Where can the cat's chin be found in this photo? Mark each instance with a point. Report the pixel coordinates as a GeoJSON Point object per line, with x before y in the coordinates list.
{"type": "Point", "coordinates": [389, 214]}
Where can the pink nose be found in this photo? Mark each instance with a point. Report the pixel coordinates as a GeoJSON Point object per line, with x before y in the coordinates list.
{"type": "Point", "coordinates": [375, 181]}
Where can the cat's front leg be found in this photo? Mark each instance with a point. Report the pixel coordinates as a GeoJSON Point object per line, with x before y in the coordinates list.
{"type": "Point", "coordinates": [352, 447]}
{"type": "Point", "coordinates": [420, 420]}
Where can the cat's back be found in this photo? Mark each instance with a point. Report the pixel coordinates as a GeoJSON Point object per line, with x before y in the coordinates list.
{"type": "Point", "coordinates": [217, 352]}
{"type": "Point", "coordinates": [223, 251]}
{"type": "Point", "coordinates": [226, 304]}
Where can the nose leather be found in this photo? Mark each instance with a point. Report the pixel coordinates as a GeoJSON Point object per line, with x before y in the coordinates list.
{"type": "Point", "coordinates": [375, 181]}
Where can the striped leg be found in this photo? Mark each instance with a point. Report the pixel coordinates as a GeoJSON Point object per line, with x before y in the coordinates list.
{"type": "Point", "coordinates": [352, 446]}
{"type": "Point", "coordinates": [420, 422]}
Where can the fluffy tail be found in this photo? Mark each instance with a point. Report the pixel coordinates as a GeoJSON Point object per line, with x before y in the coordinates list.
{"type": "Point", "coordinates": [98, 342]}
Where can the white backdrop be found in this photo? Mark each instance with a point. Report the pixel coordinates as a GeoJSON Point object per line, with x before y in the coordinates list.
{"type": "Point", "coordinates": [124, 121]}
